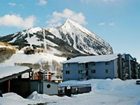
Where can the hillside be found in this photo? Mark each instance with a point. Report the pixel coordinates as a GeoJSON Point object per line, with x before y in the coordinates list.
{"type": "Point", "coordinates": [6, 51]}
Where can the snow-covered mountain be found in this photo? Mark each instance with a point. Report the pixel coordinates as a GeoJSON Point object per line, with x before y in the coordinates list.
{"type": "Point", "coordinates": [70, 39]}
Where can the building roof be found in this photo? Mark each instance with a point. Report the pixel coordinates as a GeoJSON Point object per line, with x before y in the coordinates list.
{"type": "Point", "coordinates": [73, 83]}
{"type": "Point", "coordinates": [99, 58]}
{"type": "Point", "coordinates": [11, 71]}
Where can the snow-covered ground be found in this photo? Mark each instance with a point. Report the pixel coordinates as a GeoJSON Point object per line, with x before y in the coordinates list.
{"type": "Point", "coordinates": [20, 57]}
{"type": "Point", "coordinates": [104, 92]}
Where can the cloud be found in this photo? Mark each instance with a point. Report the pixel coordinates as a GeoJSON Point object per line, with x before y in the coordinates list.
{"type": "Point", "coordinates": [17, 21]}
{"type": "Point", "coordinates": [111, 24]}
{"type": "Point", "coordinates": [12, 4]}
{"type": "Point", "coordinates": [42, 2]}
{"type": "Point", "coordinates": [58, 17]}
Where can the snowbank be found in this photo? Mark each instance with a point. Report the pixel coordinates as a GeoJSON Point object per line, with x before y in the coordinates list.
{"type": "Point", "coordinates": [14, 99]}
{"type": "Point", "coordinates": [104, 92]}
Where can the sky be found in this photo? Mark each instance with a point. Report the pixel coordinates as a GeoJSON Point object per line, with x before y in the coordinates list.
{"type": "Point", "coordinates": [115, 21]}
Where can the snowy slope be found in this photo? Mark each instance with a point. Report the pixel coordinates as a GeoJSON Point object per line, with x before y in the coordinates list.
{"type": "Point", "coordinates": [20, 57]}
{"type": "Point", "coordinates": [81, 39]}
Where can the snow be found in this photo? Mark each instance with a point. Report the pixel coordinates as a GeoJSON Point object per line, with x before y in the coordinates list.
{"type": "Point", "coordinates": [34, 58]}
{"type": "Point", "coordinates": [33, 41]}
{"type": "Point", "coordinates": [72, 83]}
{"type": "Point", "coordinates": [34, 30]}
{"type": "Point", "coordinates": [84, 41]}
{"type": "Point", "coordinates": [6, 70]}
{"type": "Point", "coordinates": [51, 43]}
{"type": "Point", "coordinates": [104, 92]}
{"type": "Point", "coordinates": [82, 29]}
{"type": "Point", "coordinates": [14, 39]}
{"type": "Point", "coordinates": [1, 46]}
{"type": "Point", "coordinates": [98, 58]}
{"type": "Point", "coordinates": [14, 99]}
{"type": "Point", "coordinates": [54, 51]}
{"type": "Point", "coordinates": [55, 32]}
{"type": "Point", "coordinates": [69, 21]}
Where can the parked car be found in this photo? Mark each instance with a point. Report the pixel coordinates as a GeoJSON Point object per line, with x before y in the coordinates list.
{"type": "Point", "coordinates": [138, 82]}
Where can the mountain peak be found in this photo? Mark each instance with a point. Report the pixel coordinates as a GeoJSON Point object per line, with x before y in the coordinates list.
{"type": "Point", "coordinates": [34, 30]}
{"type": "Point", "coordinates": [70, 21]}
{"type": "Point", "coordinates": [71, 24]}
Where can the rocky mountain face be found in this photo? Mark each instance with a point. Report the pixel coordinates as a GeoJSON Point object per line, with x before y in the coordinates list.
{"type": "Point", "coordinates": [68, 40]}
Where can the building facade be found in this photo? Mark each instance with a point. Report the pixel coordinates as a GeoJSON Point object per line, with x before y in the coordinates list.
{"type": "Point", "coordinates": [44, 87]}
{"type": "Point", "coordinates": [100, 67]}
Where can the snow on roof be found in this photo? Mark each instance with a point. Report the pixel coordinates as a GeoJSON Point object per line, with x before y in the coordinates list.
{"type": "Point", "coordinates": [99, 58]}
{"type": "Point", "coordinates": [6, 70]}
{"type": "Point", "coordinates": [73, 83]}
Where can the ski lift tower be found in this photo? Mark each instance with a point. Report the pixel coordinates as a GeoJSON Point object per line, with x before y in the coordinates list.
{"type": "Point", "coordinates": [45, 43]}
{"type": "Point", "coordinates": [28, 36]}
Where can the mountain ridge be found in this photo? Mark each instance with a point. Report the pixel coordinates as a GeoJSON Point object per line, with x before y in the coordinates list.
{"type": "Point", "coordinates": [71, 39]}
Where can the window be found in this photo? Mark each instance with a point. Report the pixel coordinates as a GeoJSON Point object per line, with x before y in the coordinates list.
{"type": "Point", "coordinates": [93, 71]}
{"type": "Point", "coordinates": [86, 65]}
{"type": "Point", "coordinates": [106, 71]}
{"type": "Point", "coordinates": [79, 71]}
{"type": "Point", "coordinates": [48, 86]}
{"type": "Point", "coordinates": [106, 63]}
{"type": "Point", "coordinates": [67, 72]}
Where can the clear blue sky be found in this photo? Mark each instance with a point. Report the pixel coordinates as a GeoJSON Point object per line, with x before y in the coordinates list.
{"type": "Point", "coordinates": [116, 21]}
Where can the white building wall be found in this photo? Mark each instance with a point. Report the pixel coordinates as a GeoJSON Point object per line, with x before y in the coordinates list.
{"type": "Point", "coordinates": [50, 88]}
